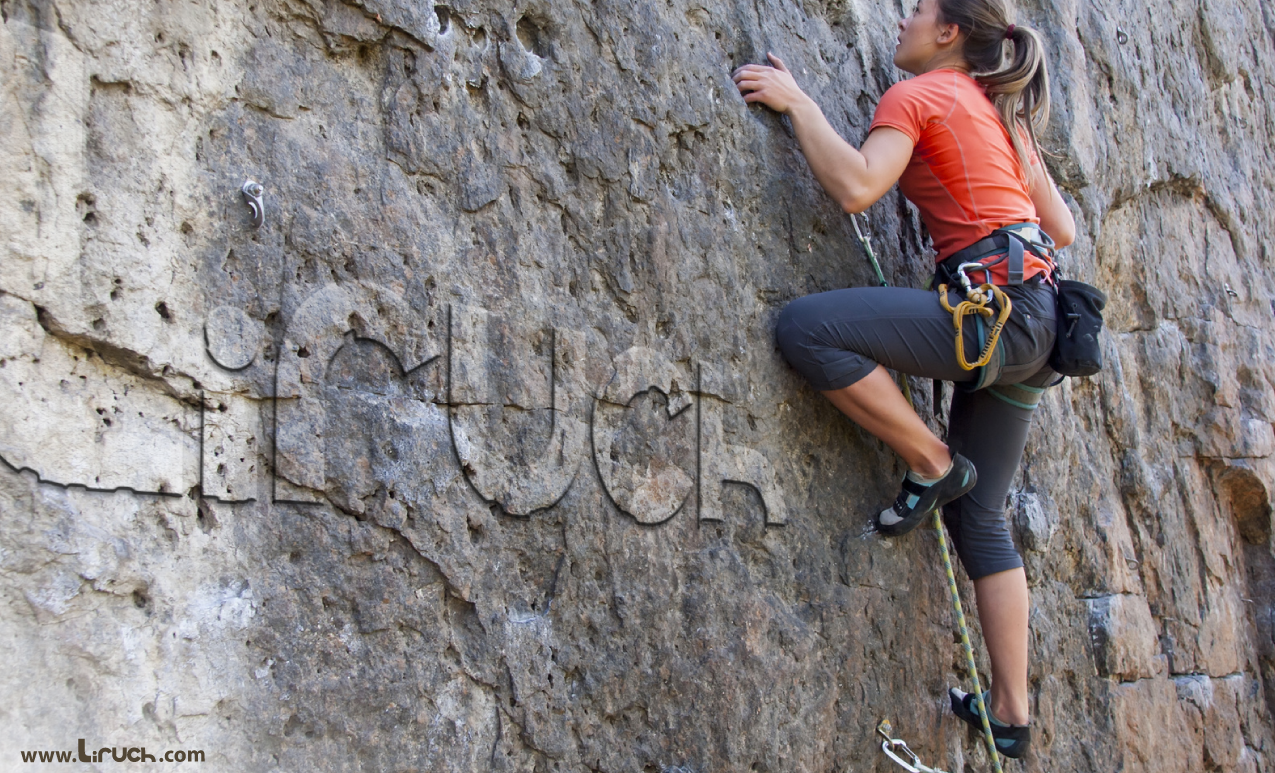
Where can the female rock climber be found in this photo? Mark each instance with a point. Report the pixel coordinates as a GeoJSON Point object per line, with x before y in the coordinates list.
{"type": "Point", "coordinates": [960, 139]}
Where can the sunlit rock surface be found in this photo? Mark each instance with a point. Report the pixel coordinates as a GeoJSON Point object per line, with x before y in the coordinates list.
{"type": "Point", "coordinates": [478, 454]}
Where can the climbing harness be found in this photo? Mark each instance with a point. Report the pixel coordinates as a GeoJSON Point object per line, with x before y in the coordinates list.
{"type": "Point", "coordinates": [977, 301]}
{"type": "Point", "coordinates": [913, 763]}
{"type": "Point", "coordinates": [1010, 243]}
{"type": "Point", "coordinates": [890, 744]}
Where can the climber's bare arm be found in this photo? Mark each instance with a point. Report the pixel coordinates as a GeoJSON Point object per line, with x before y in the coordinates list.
{"type": "Point", "coordinates": [854, 178]}
{"type": "Point", "coordinates": [1055, 217]}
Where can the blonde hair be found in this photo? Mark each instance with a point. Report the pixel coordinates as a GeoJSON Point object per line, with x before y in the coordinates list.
{"type": "Point", "coordinates": [1019, 90]}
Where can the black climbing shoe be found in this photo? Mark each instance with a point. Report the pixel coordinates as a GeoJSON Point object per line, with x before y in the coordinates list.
{"type": "Point", "coordinates": [1011, 740]}
{"type": "Point", "coordinates": [916, 501]}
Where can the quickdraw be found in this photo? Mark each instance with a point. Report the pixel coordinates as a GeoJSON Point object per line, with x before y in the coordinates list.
{"type": "Point", "coordinates": [866, 240]}
{"type": "Point", "coordinates": [913, 763]}
{"type": "Point", "coordinates": [977, 301]}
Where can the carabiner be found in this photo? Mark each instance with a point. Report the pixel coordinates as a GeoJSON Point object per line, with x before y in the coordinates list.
{"type": "Point", "coordinates": [889, 744]}
{"type": "Point", "coordinates": [966, 282]}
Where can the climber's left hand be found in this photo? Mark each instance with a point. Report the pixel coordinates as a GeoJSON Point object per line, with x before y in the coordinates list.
{"type": "Point", "coordinates": [774, 86]}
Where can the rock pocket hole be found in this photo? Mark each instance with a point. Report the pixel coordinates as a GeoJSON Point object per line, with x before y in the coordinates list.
{"type": "Point", "coordinates": [1246, 495]}
{"type": "Point", "coordinates": [1242, 492]}
{"type": "Point", "coordinates": [86, 207]}
{"type": "Point", "coordinates": [161, 309]}
{"type": "Point", "coordinates": [204, 517]}
{"type": "Point", "coordinates": [444, 18]}
{"type": "Point", "coordinates": [532, 37]}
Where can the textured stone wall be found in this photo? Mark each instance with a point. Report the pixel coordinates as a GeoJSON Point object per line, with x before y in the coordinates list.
{"type": "Point", "coordinates": [477, 454]}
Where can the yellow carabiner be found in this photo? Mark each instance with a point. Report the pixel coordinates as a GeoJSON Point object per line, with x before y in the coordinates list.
{"type": "Point", "coordinates": [978, 302]}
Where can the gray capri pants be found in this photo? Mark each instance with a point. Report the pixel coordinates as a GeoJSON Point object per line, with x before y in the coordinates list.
{"type": "Point", "coordinates": [838, 337]}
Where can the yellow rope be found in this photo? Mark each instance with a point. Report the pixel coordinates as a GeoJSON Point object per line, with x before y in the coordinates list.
{"type": "Point", "coordinates": [978, 302]}
{"type": "Point", "coordinates": [965, 641]}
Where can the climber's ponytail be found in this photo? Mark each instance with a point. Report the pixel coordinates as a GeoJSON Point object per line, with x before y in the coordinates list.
{"type": "Point", "coordinates": [1020, 91]}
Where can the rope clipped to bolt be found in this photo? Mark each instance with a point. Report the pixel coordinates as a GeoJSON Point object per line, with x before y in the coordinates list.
{"type": "Point", "coordinates": [987, 291]}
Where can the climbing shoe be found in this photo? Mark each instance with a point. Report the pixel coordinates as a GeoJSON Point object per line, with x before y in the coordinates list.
{"type": "Point", "coordinates": [919, 498]}
{"type": "Point", "coordinates": [1011, 740]}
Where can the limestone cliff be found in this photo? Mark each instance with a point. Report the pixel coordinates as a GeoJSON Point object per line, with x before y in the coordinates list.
{"type": "Point", "coordinates": [475, 451]}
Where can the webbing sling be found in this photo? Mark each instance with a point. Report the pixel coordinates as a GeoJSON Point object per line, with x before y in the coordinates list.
{"type": "Point", "coordinates": [1015, 267]}
{"type": "Point", "coordinates": [1018, 395]}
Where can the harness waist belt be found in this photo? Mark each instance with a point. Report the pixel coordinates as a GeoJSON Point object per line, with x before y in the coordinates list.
{"type": "Point", "coordinates": [1009, 240]}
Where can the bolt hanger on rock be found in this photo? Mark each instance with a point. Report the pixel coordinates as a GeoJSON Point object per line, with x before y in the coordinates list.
{"type": "Point", "coordinates": [252, 192]}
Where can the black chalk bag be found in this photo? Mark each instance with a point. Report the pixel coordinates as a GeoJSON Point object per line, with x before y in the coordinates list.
{"type": "Point", "coordinates": [1076, 349]}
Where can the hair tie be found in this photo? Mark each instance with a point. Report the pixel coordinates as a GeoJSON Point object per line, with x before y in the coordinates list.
{"type": "Point", "coordinates": [1009, 33]}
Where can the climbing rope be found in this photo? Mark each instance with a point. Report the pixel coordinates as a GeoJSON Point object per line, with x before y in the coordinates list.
{"type": "Point", "coordinates": [983, 713]}
{"type": "Point", "coordinates": [984, 295]}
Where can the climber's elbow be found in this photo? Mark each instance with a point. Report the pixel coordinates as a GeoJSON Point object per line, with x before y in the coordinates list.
{"type": "Point", "coordinates": [1065, 240]}
{"type": "Point", "coordinates": [856, 199]}
{"type": "Point", "coordinates": [1062, 230]}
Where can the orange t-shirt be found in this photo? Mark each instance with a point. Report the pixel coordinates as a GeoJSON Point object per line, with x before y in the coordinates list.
{"type": "Point", "coordinates": [964, 175]}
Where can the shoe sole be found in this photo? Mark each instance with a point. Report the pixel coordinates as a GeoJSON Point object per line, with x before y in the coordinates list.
{"type": "Point", "coordinates": [918, 514]}
{"type": "Point", "coordinates": [975, 721]}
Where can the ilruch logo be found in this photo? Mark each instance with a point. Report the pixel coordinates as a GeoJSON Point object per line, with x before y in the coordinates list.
{"type": "Point", "coordinates": [118, 754]}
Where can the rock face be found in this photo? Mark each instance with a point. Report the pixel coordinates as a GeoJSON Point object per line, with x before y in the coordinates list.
{"type": "Point", "coordinates": [478, 454]}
